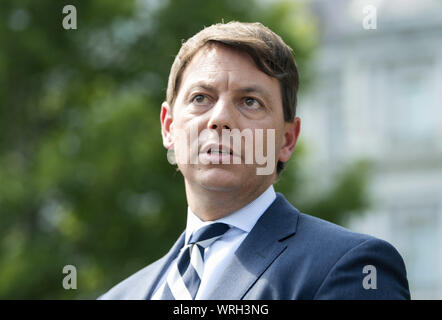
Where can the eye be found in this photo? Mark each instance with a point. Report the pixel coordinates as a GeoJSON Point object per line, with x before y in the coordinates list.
{"type": "Point", "coordinates": [199, 99]}
{"type": "Point", "coordinates": [252, 103]}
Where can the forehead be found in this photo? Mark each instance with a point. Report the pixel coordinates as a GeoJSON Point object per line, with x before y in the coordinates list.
{"type": "Point", "coordinates": [223, 65]}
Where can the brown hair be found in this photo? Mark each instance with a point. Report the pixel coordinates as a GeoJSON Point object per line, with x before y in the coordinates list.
{"type": "Point", "coordinates": [269, 52]}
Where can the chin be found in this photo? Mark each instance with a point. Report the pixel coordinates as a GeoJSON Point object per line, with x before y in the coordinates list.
{"type": "Point", "coordinates": [217, 179]}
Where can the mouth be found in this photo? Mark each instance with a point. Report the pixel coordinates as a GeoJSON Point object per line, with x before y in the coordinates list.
{"type": "Point", "coordinates": [217, 154]}
{"type": "Point", "coordinates": [217, 151]}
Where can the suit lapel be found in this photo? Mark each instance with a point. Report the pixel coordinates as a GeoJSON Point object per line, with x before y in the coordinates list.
{"type": "Point", "coordinates": [258, 250]}
{"type": "Point", "coordinates": [157, 272]}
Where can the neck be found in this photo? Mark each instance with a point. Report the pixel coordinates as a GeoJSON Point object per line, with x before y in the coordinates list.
{"type": "Point", "coordinates": [210, 205]}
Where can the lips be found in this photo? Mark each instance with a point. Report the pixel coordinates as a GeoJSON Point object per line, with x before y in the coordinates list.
{"type": "Point", "coordinates": [220, 152]}
{"type": "Point", "coordinates": [217, 149]}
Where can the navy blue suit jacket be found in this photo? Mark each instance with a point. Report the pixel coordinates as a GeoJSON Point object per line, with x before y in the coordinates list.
{"type": "Point", "coordinates": [291, 255]}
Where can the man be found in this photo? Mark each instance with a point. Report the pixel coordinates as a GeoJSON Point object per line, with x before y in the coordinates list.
{"type": "Point", "coordinates": [242, 240]}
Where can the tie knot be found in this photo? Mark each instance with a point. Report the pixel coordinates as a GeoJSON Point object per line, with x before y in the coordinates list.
{"type": "Point", "coordinates": [205, 236]}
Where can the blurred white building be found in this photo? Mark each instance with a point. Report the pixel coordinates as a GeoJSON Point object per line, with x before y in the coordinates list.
{"type": "Point", "coordinates": [377, 95]}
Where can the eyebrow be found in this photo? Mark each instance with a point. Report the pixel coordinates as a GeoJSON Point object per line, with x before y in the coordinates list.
{"type": "Point", "coordinates": [256, 89]}
{"type": "Point", "coordinates": [248, 89]}
{"type": "Point", "coordinates": [201, 85]}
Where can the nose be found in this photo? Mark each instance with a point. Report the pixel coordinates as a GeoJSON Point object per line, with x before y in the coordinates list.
{"type": "Point", "coordinates": [222, 116]}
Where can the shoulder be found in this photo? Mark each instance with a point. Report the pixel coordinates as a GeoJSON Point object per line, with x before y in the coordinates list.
{"type": "Point", "coordinates": [325, 234]}
{"type": "Point", "coordinates": [133, 287]}
{"type": "Point", "coordinates": [315, 233]}
{"type": "Point", "coordinates": [321, 236]}
{"type": "Point", "coordinates": [138, 285]}
{"type": "Point", "coordinates": [339, 242]}
{"type": "Point", "coordinates": [339, 260]}
{"type": "Point", "coordinates": [365, 268]}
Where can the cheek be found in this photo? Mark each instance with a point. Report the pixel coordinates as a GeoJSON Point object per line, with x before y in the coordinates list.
{"type": "Point", "coordinates": [179, 134]}
{"type": "Point", "coordinates": [279, 142]}
{"type": "Point", "coordinates": [186, 139]}
{"type": "Point", "coordinates": [273, 137]}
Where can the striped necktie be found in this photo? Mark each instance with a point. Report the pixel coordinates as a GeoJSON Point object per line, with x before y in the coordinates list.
{"type": "Point", "coordinates": [185, 273]}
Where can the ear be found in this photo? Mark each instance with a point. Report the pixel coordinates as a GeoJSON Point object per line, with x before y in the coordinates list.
{"type": "Point", "coordinates": [166, 118]}
{"type": "Point", "coordinates": [291, 134]}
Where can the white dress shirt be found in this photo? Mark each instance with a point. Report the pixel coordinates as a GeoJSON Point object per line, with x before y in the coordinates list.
{"type": "Point", "coordinates": [219, 254]}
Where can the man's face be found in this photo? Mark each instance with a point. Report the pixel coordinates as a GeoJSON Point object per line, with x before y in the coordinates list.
{"type": "Point", "coordinates": [222, 88]}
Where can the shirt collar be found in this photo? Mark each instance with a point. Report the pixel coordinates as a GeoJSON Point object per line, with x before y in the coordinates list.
{"type": "Point", "coordinates": [244, 218]}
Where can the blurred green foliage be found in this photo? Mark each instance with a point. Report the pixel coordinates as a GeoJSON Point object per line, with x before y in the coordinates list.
{"type": "Point", "coordinates": [84, 178]}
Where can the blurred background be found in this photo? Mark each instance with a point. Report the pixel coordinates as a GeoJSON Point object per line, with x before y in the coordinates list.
{"type": "Point", "coordinates": [377, 97]}
{"type": "Point", "coordinates": [84, 178]}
